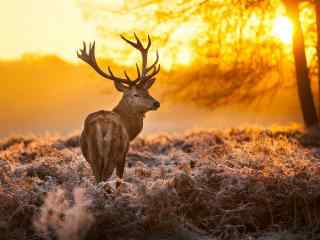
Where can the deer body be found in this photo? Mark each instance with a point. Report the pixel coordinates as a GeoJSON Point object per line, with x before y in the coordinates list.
{"type": "Point", "coordinates": [106, 135]}
{"type": "Point", "coordinates": [104, 144]}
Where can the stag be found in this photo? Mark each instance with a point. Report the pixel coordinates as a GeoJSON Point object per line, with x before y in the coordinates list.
{"type": "Point", "coordinates": [106, 135]}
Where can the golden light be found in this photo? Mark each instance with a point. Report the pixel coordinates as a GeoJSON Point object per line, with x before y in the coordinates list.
{"type": "Point", "coordinates": [184, 56]}
{"type": "Point", "coordinates": [282, 29]}
{"type": "Point", "coordinates": [183, 39]}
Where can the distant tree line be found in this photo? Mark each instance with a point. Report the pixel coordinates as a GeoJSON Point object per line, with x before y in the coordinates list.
{"type": "Point", "coordinates": [239, 63]}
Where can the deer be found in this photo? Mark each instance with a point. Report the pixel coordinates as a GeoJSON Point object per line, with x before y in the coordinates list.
{"type": "Point", "coordinates": [106, 135]}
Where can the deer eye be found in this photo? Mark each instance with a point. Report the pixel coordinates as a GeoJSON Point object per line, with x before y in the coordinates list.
{"type": "Point", "coordinates": [136, 95]}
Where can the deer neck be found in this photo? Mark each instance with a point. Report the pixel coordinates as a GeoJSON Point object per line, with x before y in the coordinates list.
{"type": "Point", "coordinates": [132, 120]}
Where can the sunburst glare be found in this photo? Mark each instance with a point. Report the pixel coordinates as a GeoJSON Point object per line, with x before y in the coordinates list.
{"type": "Point", "coordinates": [282, 29]}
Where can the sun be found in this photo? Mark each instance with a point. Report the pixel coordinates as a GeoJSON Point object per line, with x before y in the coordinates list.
{"type": "Point", "coordinates": [184, 56]}
{"type": "Point", "coordinates": [282, 29]}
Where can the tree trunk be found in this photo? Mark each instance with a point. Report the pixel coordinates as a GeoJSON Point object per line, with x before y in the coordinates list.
{"type": "Point", "coordinates": [318, 48]}
{"type": "Point", "coordinates": [302, 73]}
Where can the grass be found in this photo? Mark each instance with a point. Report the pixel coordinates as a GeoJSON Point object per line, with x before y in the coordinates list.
{"type": "Point", "coordinates": [233, 184]}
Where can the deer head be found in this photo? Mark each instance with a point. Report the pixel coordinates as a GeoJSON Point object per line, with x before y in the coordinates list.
{"type": "Point", "coordinates": [135, 92]}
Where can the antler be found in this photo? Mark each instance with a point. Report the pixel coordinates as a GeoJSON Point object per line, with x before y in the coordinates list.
{"type": "Point", "coordinates": [90, 58]}
{"type": "Point", "coordinates": [146, 74]}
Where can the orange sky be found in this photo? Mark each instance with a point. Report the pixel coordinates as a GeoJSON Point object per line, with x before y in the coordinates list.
{"type": "Point", "coordinates": [42, 26]}
{"type": "Point", "coordinates": [58, 27]}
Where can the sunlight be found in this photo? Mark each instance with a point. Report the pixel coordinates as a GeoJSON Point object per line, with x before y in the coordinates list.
{"type": "Point", "coordinates": [184, 56]}
{"type": "Point", "coordinates": [185, 32]}
{"type": "Point", "coordinates": [184, 38]}
{"type": "Point", "coordinates": [282, 29]}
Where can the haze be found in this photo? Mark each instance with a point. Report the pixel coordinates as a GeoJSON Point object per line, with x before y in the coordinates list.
{"type": "Point", "coordinates": [44, 88]}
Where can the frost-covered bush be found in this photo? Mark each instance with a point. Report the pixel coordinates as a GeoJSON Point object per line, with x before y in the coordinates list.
{"type": "Point", "coordinates": [69, 219]}
{"type": "Point", "coordinates": [239, 183]}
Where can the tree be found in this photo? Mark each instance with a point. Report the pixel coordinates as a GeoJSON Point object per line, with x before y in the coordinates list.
{"type": "Point", "coordinates": [317, 9]}
{"type": "Point", "coordinates": [239, 60]}
{"type": "Point", "coordinates": [302, 73]}
{"type": "Point", "coordinates": [301, 69]}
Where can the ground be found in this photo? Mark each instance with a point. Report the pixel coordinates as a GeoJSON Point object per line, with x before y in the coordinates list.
{"type": "Point", "coordinates": [232, 184]}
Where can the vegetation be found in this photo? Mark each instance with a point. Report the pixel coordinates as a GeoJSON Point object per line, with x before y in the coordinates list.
{"type": "Point", "coordinates": [233, 184]}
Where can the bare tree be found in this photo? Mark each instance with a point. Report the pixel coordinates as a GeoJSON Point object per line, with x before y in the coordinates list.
{"type": "Point", "coordinates": [302, 73]}
{"type": "Point", "coordinates": [300, 62]}
{"type": "Point", "coordinates": [237, 60]}
{"type": "Point", "coordinates": [317, 9]}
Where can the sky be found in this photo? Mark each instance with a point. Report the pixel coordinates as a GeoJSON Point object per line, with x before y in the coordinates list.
{"type": "Point", "coordinates": [59, 27]}
{"type": "Point", "coordinates": [42, 26]}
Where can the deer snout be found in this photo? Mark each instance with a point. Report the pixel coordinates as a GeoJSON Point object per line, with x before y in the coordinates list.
{"type": "Point", "coordinates": [156, 104]}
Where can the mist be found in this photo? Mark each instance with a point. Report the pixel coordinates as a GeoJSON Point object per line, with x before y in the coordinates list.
{"type": "Point", "coordinates": [49, 95]}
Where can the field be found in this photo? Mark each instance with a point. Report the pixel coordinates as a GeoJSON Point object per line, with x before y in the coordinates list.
{"type": "Point", "coordinates": [232, 184]}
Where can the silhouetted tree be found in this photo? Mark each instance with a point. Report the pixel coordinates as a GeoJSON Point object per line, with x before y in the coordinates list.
{"type": "Point", "coordinates": [298, 48]}
{"type": "Point", "coordinates": [317, 7]}
{"type": "Point", "coordinates": [301, 68]}
{"type": "Point", "coordinates": [237, 63]}
{"type": "Point", "coordinates": [233, 64]}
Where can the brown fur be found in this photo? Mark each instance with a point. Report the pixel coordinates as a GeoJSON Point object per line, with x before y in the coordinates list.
{"type": "Point", "coordinates": [106, 135]}
{"type": "Point", "coordinates": [104, 143]}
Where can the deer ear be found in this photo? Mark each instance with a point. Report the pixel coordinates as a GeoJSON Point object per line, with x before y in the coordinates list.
{"type": "Point", "coordinates": [120, 87]}
{"type": "Point", "coordinates": [148, 83]}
